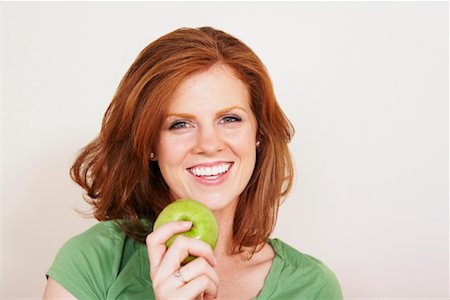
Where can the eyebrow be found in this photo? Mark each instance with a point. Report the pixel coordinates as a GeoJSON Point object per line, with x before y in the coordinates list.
{"type": "Point", "coordinates": [221, 112]}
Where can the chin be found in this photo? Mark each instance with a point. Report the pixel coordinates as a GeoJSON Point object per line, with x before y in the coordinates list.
{"type": "Point", "coordinates": [217, 202]}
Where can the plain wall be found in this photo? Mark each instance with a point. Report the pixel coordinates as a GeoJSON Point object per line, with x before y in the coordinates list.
{"type": "Point", "coordinates": [364, 83]}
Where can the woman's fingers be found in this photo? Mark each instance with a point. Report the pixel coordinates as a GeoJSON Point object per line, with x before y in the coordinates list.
{"type": "Point", "coordinates": [199, 278]}
{"type": "Point", "coordinates": [181, 248]}
{"type": "Point", "coordinates": [196, 268]}
{"type": "Point", "coordinates": [198, 286]}
{"type": "Point", "coordinates": [156, 240]}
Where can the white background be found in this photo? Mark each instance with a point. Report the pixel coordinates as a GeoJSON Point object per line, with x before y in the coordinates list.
{"type": "Point", "coordinates": [364, 83]}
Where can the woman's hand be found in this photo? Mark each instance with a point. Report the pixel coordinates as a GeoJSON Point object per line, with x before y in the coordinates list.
{"type": "Point", "coordinates": [198, 279]}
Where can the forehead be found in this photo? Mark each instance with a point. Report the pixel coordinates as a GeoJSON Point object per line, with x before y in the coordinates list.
{"type": "Point", "coordinates": [215, 87]}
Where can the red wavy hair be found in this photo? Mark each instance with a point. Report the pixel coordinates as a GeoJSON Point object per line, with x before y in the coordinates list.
{"type": "Point", "coordinates": [115, 169]}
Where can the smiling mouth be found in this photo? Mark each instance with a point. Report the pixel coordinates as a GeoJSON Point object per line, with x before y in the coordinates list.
{"type": "Point", "coordinates": [210, 171]}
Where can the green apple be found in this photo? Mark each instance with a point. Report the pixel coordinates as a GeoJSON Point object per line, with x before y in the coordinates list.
{"type": "Point", "coordinates": [204, 224]}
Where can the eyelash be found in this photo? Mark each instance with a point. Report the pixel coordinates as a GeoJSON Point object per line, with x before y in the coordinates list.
{"type": "Point", "coordinates": [183, 124]}
{"type": "Point", "coordinates": [178, 125]}
{"type": "Point", "coordinates": [233, 119]}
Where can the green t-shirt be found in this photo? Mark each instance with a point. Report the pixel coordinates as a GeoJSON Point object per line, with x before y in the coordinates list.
{"type": "Point", "coordinates": [103, 263]}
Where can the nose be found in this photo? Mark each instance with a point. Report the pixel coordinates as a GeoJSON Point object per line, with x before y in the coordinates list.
{"type": "Point", "coordinates": [209, 141]}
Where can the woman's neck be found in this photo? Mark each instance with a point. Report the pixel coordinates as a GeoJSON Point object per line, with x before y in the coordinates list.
{"type": "Point", "coordinates": [225, 239]}
{"type": "Point", "coordinates": [225, 219]}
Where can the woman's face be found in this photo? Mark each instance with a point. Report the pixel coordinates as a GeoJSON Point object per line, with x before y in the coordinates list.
{"type": "Point", "coordinates": [207, 149]}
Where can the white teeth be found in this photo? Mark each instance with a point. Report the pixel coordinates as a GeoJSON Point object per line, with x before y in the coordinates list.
{"type": "Point", "coordinates": [208, 171]}
{"type": "Point", "coordinates": [215, 170]}
{"type": "Point", "coordinates": [211, 171]}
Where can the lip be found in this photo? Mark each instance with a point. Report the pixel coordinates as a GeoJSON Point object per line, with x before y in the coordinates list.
{"type": "Point", "coordinates": [211, 180]}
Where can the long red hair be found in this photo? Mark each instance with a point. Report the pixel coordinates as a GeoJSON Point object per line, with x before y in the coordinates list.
{"type": "Point", "coordinates": [115, 169]}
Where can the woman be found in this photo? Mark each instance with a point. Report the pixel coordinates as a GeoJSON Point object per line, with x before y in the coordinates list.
{"type": "Point", "coordinates": [194, 117]}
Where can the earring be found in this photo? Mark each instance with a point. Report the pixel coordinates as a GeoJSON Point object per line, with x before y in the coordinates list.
{"type": "Point", "coordinates": [152, 155]}
{"type": "Point", "coordinates": [258, 143]}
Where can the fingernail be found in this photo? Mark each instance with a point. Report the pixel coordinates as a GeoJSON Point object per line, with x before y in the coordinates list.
{"type": "Point", "coordinates": [186, 224]}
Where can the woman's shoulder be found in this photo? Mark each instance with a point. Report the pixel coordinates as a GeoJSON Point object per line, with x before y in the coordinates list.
{"type": "Point", "coordinates": [303, 272]}
{"type": "Point", "coordinates": [102, 232]}
{"type": "Point", "coordinates": [94, 253]}
{"type": "Point", "coordinates": [294, 257]}
{"type": "Point", "coordinates": [102, 238]}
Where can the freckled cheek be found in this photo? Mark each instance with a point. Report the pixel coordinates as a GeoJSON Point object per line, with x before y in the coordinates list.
{"type": "Point", "coordinates": [243, 137]}
{"type": "Point", "coordinates": [172, 150]}
{"type": "Point", "coordinates": [243, 144]}
{"type": "Point", "coordinates": [171, 154]}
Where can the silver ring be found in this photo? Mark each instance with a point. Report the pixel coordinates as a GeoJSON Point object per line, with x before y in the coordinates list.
{"type": "Point", "coordinates": [179, 276]}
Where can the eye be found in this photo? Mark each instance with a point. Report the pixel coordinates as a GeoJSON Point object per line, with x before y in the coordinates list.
{"type": "Point", "coordinates": [230, 119]}
{"type": "Point", "coordinates": [179, 125]}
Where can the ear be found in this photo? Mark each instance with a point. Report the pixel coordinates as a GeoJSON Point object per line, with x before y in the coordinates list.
{"type": "Point", "coordinates": [259, 138]}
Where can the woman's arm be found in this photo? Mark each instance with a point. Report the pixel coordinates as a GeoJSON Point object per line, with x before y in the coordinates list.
{"type": "Point", "coordinates": [54, 290]}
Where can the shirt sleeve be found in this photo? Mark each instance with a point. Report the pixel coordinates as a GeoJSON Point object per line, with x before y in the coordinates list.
{"type": "Point", "coordinates": [330, 289]}
{"type": "Point", "coordinates": [85, 265]}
